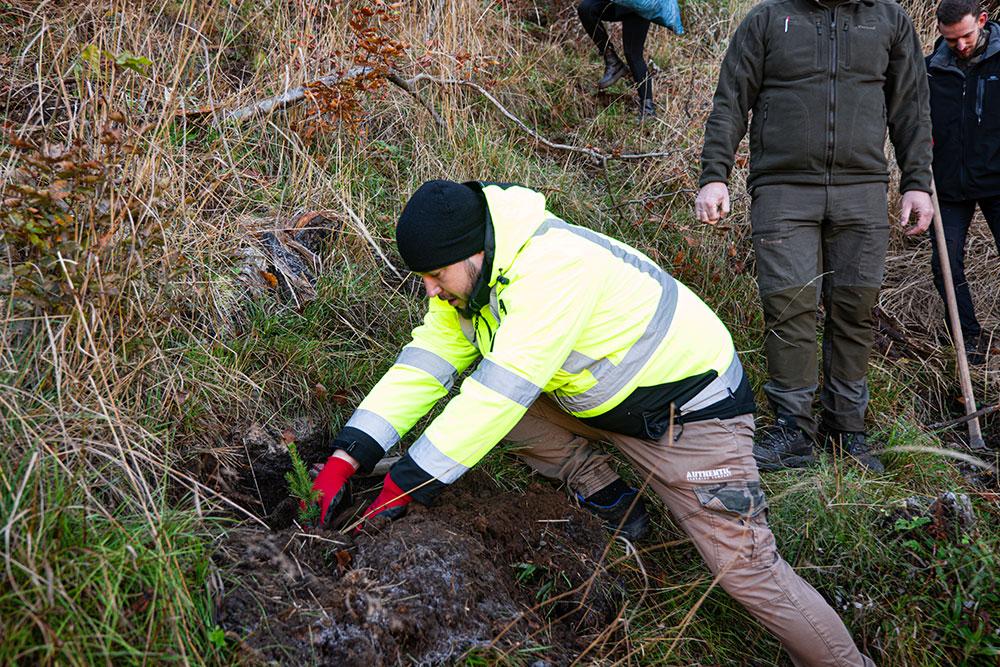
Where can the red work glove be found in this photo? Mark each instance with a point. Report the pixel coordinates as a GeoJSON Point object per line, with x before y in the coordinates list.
{"type": "Point", "coordinates": [391, 502]}
{"type": "Point", "coordinates": [330, 483]}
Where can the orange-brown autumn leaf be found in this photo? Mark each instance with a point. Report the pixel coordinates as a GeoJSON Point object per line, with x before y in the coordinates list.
{"type": "Point", "coordinates": [270, 278]}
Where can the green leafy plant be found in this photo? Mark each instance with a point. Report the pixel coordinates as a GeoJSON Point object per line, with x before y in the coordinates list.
{"type": "Point", "coordinates": [300, 486]}
{"type": "Point", "coordinates": [217, 637]}
{"type": "Point", "coordinates": [92, 55]}
{"type": "Point", "coordinates": [903, 525]}
{"type": "Point", "coordinates": [958, 573]}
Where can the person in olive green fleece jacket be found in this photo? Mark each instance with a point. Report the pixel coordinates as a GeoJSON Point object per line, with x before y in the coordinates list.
{"type": "Point", "coordinates": [824, 81]}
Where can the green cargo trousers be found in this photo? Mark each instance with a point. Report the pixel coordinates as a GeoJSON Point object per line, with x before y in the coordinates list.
{"type": "Point", "coordinates": [708, 479]}
{"type": "Point", "coordinates": [813, 243]}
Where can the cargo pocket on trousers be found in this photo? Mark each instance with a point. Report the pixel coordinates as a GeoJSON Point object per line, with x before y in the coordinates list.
{"type": "Point", "coordinates": [745, 499]}
{"type": "Point", "coordinates": [746, 536]}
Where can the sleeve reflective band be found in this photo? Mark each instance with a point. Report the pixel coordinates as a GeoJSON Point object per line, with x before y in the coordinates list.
{"type": "Point", "coordinates": [506, 383]}
{"type": "Point", "coordinates": [376, 426]}
{"type": "Point", "coordinates": [435, 366]}
{"type": "Point", "coordinates": [432, 461]}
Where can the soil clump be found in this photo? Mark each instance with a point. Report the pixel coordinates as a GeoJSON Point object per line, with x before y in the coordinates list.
{"type": "Point", "coordinates": [484, 570]}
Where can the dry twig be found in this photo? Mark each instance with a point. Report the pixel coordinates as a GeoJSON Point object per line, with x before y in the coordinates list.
{"type": "Point", "coordinates": [981, 412]}
{"type": "Point", "coordinates": [595, 155]}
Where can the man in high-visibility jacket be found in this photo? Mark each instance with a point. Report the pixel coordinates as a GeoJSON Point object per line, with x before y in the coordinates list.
{"type": "Point", "coordinates": [578, 337]}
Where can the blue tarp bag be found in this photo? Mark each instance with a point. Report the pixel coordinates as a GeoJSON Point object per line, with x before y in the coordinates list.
{"type": "Point", "coordinates": [663, 12]}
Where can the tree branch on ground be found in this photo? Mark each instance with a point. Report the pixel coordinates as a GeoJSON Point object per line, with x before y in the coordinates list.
{"type": "Point", "coordinates": [597, 156]}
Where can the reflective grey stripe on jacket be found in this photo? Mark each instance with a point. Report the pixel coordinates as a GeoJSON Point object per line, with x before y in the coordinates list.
{"type": "Point", "coordinates": [718, 389]}
{"type": "Point", "coordinates": [435, 366]}
{"type": "Point", "coordinates": [431, 460]}
{"type": "Point", "coordinates": [610, 377]}
{"type": "Point", "coordinates": [506, 383]}
{"type": "Point", "coordinates": [374, 425]}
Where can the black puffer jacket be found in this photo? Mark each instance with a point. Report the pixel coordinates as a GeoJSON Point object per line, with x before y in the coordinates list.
{"type": "Point", "coordinates": [965, 113]}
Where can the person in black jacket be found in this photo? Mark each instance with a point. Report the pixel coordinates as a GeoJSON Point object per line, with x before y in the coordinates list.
{"type": "Point", "coordinates": [634, 30]}
{"type": "Point", "coordinates": [964, 76]}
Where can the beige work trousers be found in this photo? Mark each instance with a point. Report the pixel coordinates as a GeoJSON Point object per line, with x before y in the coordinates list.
{"type": "Point", "coordinates": [706, 474]}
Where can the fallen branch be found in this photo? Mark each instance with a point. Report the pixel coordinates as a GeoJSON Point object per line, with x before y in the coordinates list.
{"type": "Point", "coordinates": [597, 156]}
{"type": "Point", "coordinates": [296, 95]}
{"type": "Point", "coordinates": [405, 85]}
{"type": "Point", "coordinates": [981, 412]}
{"type": "Point", "coordinates": [289, 98]}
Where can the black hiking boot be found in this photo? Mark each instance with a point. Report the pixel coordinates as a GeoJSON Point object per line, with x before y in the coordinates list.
{"type": "Point", "coordinates": [783, 445]}
{"type": "Point", "coordinates": [855, 445]}
{"type": "Point", "coordinates": [976, 349]}
{"type": "Point", "coordinates": [621, 508]}
{"type": "Point", "coordinates": [614, 69]}
{"type": "Point", "coordinates": [647, 110]}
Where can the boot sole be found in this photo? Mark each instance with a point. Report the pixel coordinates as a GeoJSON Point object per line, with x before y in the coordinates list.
{"type": "Point", "coordinates": [803, 461]}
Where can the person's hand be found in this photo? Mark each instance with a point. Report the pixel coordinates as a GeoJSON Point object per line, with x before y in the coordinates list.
{"type": "Point", "coordinates": [919, 204]}
{"type": "Point", "coordinates": [712, 203]}
{"type": "Point", "coordinates": [332, 481]}
{"type": "Point", "coordinates": [391, 503]}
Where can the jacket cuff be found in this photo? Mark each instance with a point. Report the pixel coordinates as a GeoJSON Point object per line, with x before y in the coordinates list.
{"type": "Point", "coordinates": [913, 186]}
{"type": "Point", "coordinates": [415, 481]}
{"type": "Point", "coordinates": [712, 176]}
{"type": "Point", "coordinates": [365, 450]}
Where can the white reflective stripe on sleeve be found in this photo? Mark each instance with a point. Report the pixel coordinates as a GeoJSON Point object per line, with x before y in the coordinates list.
{"type": "Point", "coordinates": [376, 426]}
{"type": "Point", "coordinates": [718, 389]}
{"type": "Point", "coordinates": [432, 461]}
{"type": "Point", "coordinates": [506, 383]}
{"type": "Point", "coordinates": [432, 364]}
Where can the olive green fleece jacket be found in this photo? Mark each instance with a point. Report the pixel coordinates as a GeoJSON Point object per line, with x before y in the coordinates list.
{"type": "Point", "coordinates": [824, 84]}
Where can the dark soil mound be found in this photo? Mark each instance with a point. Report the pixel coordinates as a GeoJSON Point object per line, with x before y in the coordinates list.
{"type": "Point", "coordinates": [484, 570]}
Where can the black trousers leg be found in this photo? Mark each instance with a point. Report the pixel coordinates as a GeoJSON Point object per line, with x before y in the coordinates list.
{"type": "Point", "coordinates": [590, 13]}
{"type": "Point", "coordinates": [634, 31]}
{"type": "Point", "coordinates": [991, 211]}
{"type": "Point", "coordinates": [956, 218]}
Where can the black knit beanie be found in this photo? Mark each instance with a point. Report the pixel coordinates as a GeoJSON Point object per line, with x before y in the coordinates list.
{"type": "Point", "coordinates": [444, 222]}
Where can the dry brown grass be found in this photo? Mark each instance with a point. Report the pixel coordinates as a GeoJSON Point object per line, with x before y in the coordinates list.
{"type": "Point", "coordinates": [113, 391]}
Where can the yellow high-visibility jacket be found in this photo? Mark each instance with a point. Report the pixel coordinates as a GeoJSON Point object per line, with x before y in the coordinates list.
{"type": "Point", "coordinates": [597, 325]}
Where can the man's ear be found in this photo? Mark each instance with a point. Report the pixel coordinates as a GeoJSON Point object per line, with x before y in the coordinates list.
{"type": "Point", "coordinates": [981, 21]}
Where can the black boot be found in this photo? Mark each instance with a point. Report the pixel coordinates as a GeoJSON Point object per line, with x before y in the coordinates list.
{"type": "Point", "coordinates": [621, 508]}
{"type": "Point", "coordinates": [614, 69]}
{"type": "Point", "coordinates": [977, 348]}
{"type": "Point", "coordinates": [647, 110]}
{"type": "Point", "coordinates": [855, 445]}
{"type": "Point", "coordinates": [783, 445]}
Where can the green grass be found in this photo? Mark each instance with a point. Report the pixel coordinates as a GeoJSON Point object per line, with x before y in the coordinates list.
{"type": "Point", "coordinates": [85, 585]}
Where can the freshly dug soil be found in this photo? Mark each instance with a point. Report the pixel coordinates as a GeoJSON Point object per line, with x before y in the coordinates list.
{"type": "Point", "coordinates": [483, 570]}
